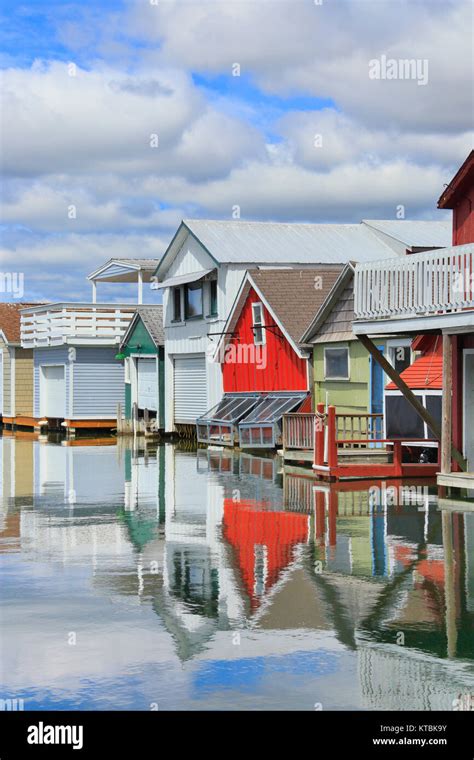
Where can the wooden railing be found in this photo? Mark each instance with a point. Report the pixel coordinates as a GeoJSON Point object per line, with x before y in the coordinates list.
{"type": "Point", "coordinates": [55, 324]}
{"type": "Point", "coordinates": [299, 429]}
{"type": "Point", "coordinates": [434, 282]}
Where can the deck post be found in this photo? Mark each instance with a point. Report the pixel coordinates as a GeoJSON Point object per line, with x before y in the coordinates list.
{"type": "Point", "coordinates": [410, 396]}
{"type": "Point", "coordinates": [332, 443]}
{"type": "Point", "coordinates": [397, 458]}
{"type": "Point", "coordinates": [446, 413]}
{"type": "Point", "coordinates": [319, 436]}
{"type": "Point", "coordinates": [119, 418]}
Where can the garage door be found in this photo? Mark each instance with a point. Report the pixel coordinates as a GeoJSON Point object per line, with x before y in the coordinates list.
{"type": "Point", "coordinates": [147, 381]}
{"type": "Point", "coordinates": [52, 391]}
{"type": "Point", "coordinates": [190, 388]}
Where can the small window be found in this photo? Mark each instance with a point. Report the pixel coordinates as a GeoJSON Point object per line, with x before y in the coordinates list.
{"type": "Point", "coordinates": [336, 363]}
{"type": "Point", "coordinates": [213, 298]}
{"type": "Point", "coordinates": [176, 304]}
{"type": "Point", "coordinates": [193, 301]}
{"type": "Point", "coordinates": [258, 324]}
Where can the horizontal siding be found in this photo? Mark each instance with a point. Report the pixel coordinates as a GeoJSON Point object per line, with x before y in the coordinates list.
{"type": "Point", "coordinates": [98, 384]}
{"type": "Point", "coordinates": [24, 382]}
{"type": "Point", "coordinates": [56, 355]}
{"type": "Point", "coordinates": [6, 378]}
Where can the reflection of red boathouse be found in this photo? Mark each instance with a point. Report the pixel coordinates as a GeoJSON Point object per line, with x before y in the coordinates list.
{"type": "Point", "coordinates": [263, 542]}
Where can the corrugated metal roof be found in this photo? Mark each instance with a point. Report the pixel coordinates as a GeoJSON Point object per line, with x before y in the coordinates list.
{"type": "Point", "coordinates": [274, 242]}
{"type": "Point", "coordinates": [414, 234]}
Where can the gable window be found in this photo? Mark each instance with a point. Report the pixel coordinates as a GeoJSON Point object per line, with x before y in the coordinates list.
{"type": "Point", "coordinates": [258, 324]}
{"type": "Point", "coordinates": [336, 363]}
{"type": "Point", "coordinates": [193, 301]}
{"type": "Point", "coordinates": [176, 304]}
{"type": "Point", "coordinates": [213, 298]}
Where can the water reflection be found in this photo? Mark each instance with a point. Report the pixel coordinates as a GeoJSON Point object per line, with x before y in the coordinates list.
{"type": "Point", "coordinates": [213, 579]}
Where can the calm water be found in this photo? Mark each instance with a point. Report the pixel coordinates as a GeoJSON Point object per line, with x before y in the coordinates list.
{"type": "Point", "coordinates": [173, 579]}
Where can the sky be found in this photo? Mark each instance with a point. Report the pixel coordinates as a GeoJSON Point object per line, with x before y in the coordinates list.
{"type": "Point", "coordinates": [119, 118]}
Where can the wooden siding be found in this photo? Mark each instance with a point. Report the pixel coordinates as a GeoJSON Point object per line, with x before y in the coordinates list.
{"type": "Point", "coordinates": [463, 219]}
{"type": "Point", "coordinates": [7, 396]}
{"type": "Point", "coordinates": [23, 382]}
{"type": "Point", "coordinates": [98, 383]}
{"type": "Point", "coordinates": [338, 325]}
{"type": "Point", "coordinates": [279, 368]}
{"type": "Point", "coordinates": [348, 396]}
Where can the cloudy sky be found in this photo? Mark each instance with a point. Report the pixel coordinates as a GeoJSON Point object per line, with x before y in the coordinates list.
{"type": "Point", "coordinates": [121, 117]}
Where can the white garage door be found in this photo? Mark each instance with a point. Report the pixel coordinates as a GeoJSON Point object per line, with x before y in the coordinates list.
{"type": "Point", "coordinates": [190, 388]}
{"type": "Point", "coordinates": [147, 381]}
{"type": "Point", "coordinates": [52, 391]}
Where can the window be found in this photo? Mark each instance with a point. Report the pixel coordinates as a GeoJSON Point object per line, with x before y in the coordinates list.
{"type": "Point", "coordinates": [193, 301]}
{"type": "Point", "coordinates": [176, 304]}
{"type": "Point", "coordinates": [213, 298]}
{"type": "Point", "coordinates": [258, 324]}
{"type": "Point", "coordinates": [336, 363]}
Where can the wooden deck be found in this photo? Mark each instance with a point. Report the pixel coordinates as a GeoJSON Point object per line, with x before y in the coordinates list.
{"type": "Point", "coordinates": [379, 455]}
{"type": "Point", "coordinates": [456, 480]}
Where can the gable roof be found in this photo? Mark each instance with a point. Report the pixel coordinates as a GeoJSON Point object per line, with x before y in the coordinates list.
{"type": "Point", "coordinates": [152, 318]}
{"type": "Point", "coordinates": [414, 234]}
{"type": "Point", "coordinates": [291, 296]}
{"type": "Point", "coordinates": [124, 270]}
{"type": "Point", "coordinates": [462, 180]}
{"type": "Point", "coordinates": [273, 243]}
{"type": "Point", "coordinates": [425, 372]}
{"type": "Point", "coordinates": [332, 308]}
{"type": "Point", "coordinates": [10, 320]}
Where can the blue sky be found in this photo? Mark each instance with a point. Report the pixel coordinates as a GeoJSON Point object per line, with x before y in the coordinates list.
{"type": "Point", "coordinates": [301, 133]}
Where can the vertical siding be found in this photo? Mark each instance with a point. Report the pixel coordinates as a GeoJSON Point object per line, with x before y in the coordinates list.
{"type": "Point", "coordinates": [280, 368]}
{"type": "Point", "coordinates": [7, 396]}
{"type": "Point", "coordinates": [98, 383]}
{"type": "Point", "coordinates": [24, 382]}
{"type": "Point", "coordinates": [56, 355]}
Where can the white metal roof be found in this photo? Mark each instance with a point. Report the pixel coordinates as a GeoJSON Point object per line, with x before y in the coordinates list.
{"type": "Point", "coordinates": [241, 242]}
{"type": "Point", "coordinates": [415, 234]}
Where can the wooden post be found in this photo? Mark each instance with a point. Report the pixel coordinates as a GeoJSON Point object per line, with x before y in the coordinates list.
{"type": "Point", "coordinates": [446, 413]}
{"type": "Point", "coordinates": [319, 436]}
{"type": "Point", "coordinates": [332, 443]}
{"type": "Point", "coordinates": [397, 458]}
{"type": "Point", "coordinates": [135, 417]}
{"type": "Point", "coordinates": [119, 419]}
{"type": "Point", "coordinates": [410, 396]}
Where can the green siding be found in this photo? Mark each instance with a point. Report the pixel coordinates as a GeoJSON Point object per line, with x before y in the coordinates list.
{"type": "Point", "coordinates": [348, 396]}
{"type": "Point", "coordinates": [139, 342]}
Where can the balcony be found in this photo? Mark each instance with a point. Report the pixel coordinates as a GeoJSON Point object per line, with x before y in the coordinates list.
{"type": "Point", "coordinates": [75, 323]}
{"type": "Point", "coordinates": [436, 284]}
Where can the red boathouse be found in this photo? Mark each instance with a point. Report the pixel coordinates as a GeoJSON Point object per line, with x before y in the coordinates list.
{"type": "Point", "coordinates": [266, 370]}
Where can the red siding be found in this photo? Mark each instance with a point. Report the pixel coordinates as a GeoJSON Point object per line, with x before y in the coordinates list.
{"type": "Point", "coordinates": [281, 370]}
{"type": "Point", "coordinates": [463, 219]}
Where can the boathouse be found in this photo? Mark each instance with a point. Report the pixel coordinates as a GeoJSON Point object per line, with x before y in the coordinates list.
{"type": "Point", "coordinates": [16, 369]}
{"type": "Point", "coordinates": [202, 270]}
{"type": "Point", "coordinates": [432, 293]}
{"type": "Point", "coordinates": [266, 373]}
{"type": "Point", "coordinates": [142, 350]}
{"type": "Point", "coordinates": [77, 381]}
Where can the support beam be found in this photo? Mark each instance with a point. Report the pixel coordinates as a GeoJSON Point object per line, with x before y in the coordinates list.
{"type": "Point", "coordinates": [140, 286]}
{"type": "Point", "coordinates": [94, 291]}
{"type": "Point", "coordinates": [446, 411]}
{"type": "Point", "coordinates": [409, 395]}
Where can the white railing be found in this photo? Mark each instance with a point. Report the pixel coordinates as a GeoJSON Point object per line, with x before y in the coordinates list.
{"type": "Point", "coordinates": [86, 323]}
{"type": "Point", "coordinates": [435, 282]}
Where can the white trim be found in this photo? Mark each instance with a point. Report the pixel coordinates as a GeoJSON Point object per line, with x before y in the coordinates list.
{"type": "Point", "coordinates": [460, 321]}
{"type": "Point", "coordinates": [12, 381]}
{"type": "Point", "coordinates": [2, 376]}
{"type": "Point", "coordinates": [336, 348]}
{"type": "Point", "coordinates": [465, 351]}
{"type": "Point", "coordinates": [258, 325]}
{"type": "Point", "coordinates": [52, 364]}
